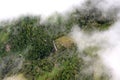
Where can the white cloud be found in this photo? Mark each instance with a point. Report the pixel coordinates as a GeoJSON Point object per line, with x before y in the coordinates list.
{"type": "Point", "coordinates": [13, 8]}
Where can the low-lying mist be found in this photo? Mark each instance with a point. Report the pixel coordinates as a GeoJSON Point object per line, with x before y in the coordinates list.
{"type": "Point", "coordinates": [108, 52]}
{"type": "Point", "coordinates": [108, 41]}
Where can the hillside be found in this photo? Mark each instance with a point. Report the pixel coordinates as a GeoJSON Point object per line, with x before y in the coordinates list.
{"type": "Point", "coordinates": [32, 49]}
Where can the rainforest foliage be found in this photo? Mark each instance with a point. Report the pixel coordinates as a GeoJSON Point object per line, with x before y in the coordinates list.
{"type": "Point", "coordinates": [27, 45]}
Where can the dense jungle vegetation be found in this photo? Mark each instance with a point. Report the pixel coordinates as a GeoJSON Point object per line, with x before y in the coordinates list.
{"type": "Point", "coordinates": [28, 45]}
